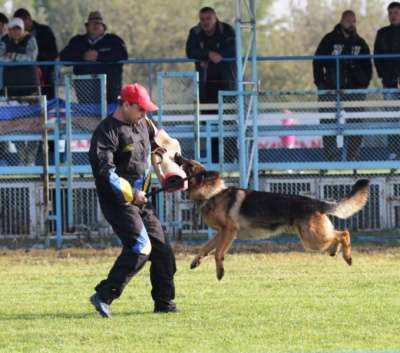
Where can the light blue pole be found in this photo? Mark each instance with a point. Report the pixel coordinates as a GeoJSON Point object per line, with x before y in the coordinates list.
{"type": "Point", "coordinates": [160, 97]}
{"type": "Point", "coordinates": [196, 116]}
{"type": "Point", "coordinates": [68, 150]}
{"type": "Point", "coordinates": [339, 105]}
{"type": "Point", "coordinates": [254, 79]}
{"type": "Point", "coordinates": [160, 102]}
{"type": "Point", "coordinates": [103, 95]}
{"type": "Point", "coordinates": [57, 216]}
{"type": "Point", "coordinates": [149, 78]}
{"type": "Point", "coordinates": [239, 67]}
{"type": "Point", "coordinates": [221, 147]}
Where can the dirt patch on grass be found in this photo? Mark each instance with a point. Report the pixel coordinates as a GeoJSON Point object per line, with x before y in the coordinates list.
{"type": "Point", "coordinates": [182, 250]}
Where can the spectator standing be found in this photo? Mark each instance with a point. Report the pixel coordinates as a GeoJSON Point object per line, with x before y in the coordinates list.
{"type": "Point", "coordinates": [209, 42]}
{"type": "Point", "coordinates": [387, 41]}
{"type": "Point", "coordinates": [96, 46]}
{"type": "Point", "coordinates": [353, 74]}
{"type": "Point", "coordinates": [19, 45]}
{"type": "Point", "coordinates": [3, 31]}
{"type": "Point", "coordinates": [47, 47]}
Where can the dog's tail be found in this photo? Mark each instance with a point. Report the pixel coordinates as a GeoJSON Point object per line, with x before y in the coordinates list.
{"type": "Point", "coordinates": [351, 204]}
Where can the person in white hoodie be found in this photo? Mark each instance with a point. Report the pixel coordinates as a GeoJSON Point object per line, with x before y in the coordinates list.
{"type": "Point", "coordinates": [3, 31]}
{"type": "Point", "coordinates": [18, 45]}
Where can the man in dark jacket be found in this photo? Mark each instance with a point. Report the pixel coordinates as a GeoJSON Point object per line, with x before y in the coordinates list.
{"type": "Point", "coordinates": [96, 46]}
{"type": "Point", "coordinates": [388, 42]}
{"type": "Point", "coordinates": [353, 74]}
{"type": "Point", "coordinates": [120, 154]}
{"type": "Point", "coordinates": [209, 42]}
{"type": "Point", "coordinates": [47, 45]}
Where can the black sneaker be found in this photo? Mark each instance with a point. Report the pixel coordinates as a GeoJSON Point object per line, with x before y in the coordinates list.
{"type": "Point", "coordinates": [102, 307]}
{"type": "Point", "coordinates": [166, 309]}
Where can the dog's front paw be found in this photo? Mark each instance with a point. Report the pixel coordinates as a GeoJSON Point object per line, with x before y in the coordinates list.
{"type": "Point", "coordinates": [220, 273]}
{"type": "Point", "coordinates": [195, 263]}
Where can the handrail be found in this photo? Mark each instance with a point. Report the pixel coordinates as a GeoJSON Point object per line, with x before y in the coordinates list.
{"type": "Point", "coordinates": [178, 60]}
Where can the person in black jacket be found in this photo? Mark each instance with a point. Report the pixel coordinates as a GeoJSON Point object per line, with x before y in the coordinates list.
{"type": "Point", "coordinates": [47, 45]}
{"type": "Point", "coordinates": [96, 46]}
{"type": "Point", "coordinates": [120, 155]}
{"type": "Point", "coordinates": [209, 43]}
{"type": "Point", "coordinates": [353, 74]}
{"type": "Point", "coordinates": [388, 42]}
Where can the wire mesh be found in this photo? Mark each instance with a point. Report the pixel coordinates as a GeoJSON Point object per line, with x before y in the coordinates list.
{"type": "Point", "coordinates": [21, 130]}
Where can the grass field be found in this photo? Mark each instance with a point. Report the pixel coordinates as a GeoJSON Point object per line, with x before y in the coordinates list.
{"type": "Point", "coordinates": [278, 302]}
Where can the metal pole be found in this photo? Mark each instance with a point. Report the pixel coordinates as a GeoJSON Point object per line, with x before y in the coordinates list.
{"type": "Point", "coordinates": [149, 78]}
{"type": "Point", "coordinates": [239, 66]}
{"type": "Point", "coordinates": [59, 230]}
{"type": "Point", "coordinates": [339, 109]}
{"type": "Point", "coordinates": [196, 116]}
{"type": "Point", "coordinates": [160, 97]}
{"type": "Point", "coordinates": [46, 188]}
{"type": "Point", "coordinates": [160, 101]}
{"type": "Point", "coordinates": [255, 95]}
{"type": "Point", "coordinates": [68, 150]}
{"type": "Point", "coordinates": [103, 95]}
{"type": "Point", "coordinates": [221, 149]}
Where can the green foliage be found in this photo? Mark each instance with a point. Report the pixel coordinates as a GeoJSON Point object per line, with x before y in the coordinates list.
{"type": "Point", "coordinates": [301, 33]}
{"type": "Point", "coordinates": [158, 29]}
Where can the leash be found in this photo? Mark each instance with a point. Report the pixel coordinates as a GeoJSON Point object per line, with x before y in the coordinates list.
{"type": "Point", "coordinates": [175, 184]}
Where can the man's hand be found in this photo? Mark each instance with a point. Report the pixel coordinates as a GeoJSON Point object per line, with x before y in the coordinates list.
{"type": "Point", "coordinates": [140, 198]}
{"type": "Point", "coordinates": [90, 55]}
{"type": "Point", "coordinates": [215, 57]}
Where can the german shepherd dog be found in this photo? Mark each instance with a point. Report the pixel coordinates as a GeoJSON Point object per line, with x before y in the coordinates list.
{"type": "Point", "coordinates": [246, 214]}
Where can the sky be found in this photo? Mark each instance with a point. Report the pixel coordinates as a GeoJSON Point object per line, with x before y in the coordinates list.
{"type": "Point", "coordinates": [281, 7]}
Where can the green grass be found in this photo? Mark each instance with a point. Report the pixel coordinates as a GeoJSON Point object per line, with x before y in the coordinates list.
{"type": "Point", "coordinates": [279, 302]}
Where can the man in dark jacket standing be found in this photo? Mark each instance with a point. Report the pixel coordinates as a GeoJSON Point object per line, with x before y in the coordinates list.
{"type": "Point", "coordinates": [353, 74]}
{"type": "Point", "coordinates": [96, 46]}
{"type": "Point", "coordinates": [388, 42]}
{"type": "Point", "coordinates": [47, 46]}
{"type": "Point", "coordinates": [209, 42]}
{"type": "Point", "coordinates": [120, 155]}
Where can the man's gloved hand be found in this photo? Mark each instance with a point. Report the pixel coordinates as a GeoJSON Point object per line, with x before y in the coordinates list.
{"type": "Point", "coordinates": [140, 198]}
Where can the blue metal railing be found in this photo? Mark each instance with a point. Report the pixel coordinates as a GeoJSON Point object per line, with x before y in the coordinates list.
{"type": "Point", "coordinates": [208, 130]}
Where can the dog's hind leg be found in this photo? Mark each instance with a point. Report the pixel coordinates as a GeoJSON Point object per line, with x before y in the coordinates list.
{"type": "Point", "coordinates": [224, 241]}
{"type": "Point", "coordinates": [204, 251]}
{"type": "Point", "coordinates": [335, 248]}
{"type": "Point", "coordinates": [344, 238]}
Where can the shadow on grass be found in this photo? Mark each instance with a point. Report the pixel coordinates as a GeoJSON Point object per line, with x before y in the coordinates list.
{"type": "Point", "coordinates": [78, 316]}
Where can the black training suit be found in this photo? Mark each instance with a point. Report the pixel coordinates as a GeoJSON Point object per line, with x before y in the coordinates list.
{"type": "Point", "coordinates": [120, 159]}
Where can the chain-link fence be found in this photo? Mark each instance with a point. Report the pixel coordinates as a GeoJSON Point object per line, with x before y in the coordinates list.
{"type": "Point", "coordinates": [178, 114]}
{"type": "Point", "coordinates": [308, 142]}
{"type": "Point", "coordinates": [24, 166]}
{"type": "Point", "coordinates": [318, 143]}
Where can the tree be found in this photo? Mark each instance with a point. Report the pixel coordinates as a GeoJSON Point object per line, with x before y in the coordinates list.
{"type": "Point", "coordinates": [301, 33]}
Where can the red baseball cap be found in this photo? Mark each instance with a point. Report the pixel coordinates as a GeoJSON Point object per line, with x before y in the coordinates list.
{"type": "Point", "coordinates": [137, 94]}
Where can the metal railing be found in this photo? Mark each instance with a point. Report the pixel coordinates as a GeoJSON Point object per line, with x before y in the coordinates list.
{"type": "Point", "coordinates": [247, 149]}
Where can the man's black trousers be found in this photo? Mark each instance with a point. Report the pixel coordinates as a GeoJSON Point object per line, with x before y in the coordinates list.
{"type": "Point", "coordinates": [133, 225]}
